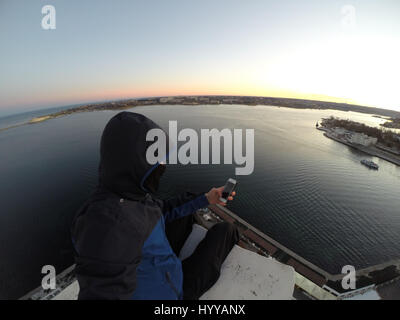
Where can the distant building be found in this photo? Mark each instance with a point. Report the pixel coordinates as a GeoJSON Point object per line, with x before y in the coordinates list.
{"type": "Point", "coordinates": [362, 139]}
{"type": "Point", "coordinates": [166, 99]}
{"type": "Point", "coordinates": [354, 137]}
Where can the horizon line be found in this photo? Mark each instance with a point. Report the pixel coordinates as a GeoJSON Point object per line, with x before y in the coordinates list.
{"type": "Point", "coordinates": [195, 95]}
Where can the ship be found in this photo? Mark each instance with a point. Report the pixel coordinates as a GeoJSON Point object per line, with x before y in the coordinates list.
{"type": "Point", "coordinates": [370, 164]}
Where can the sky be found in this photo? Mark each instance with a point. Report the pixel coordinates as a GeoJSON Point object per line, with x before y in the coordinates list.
{"type": "Point", "coordinates": [107, 50]}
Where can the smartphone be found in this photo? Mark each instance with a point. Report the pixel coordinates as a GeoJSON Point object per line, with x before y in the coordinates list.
{"type": "Point", "coordinates": [228, 189]}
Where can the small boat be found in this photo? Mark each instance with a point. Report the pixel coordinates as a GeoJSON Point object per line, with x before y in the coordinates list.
{"type": "Point", "coordinates": [370, 164]}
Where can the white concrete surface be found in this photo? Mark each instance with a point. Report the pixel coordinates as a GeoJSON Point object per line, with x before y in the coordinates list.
{"type": "Point", "coordinates": [246, 275]}
{"type": "Point", "coordinates": [69, 293]}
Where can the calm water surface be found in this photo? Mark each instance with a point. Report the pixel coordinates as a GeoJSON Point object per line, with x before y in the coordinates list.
{"type": "Point", "coordinates": [308, 192]}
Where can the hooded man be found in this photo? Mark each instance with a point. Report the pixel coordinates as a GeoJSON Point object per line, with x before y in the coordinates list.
{"type": "Point", "coordinates": [127, 241]}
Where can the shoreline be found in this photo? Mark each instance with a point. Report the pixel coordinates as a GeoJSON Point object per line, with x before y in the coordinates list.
{"type": "Point", "coordinates": [371, 150]}
{"type": "Point", "coordinates": [39, 119]}
{"type": "Point", "coordinates": [215, 100]}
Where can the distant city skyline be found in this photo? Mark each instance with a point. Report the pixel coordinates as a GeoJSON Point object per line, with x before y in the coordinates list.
{"type": "Point", "coordinates": [101, 50]}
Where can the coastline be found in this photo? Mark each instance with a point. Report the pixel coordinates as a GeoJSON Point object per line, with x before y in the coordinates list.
{"type": "Point", "coordinates": [215, 100]}
{"type": "Point", "coordinates": [371, 150]}
{"type": "Point", "coordinates": [39, 119]}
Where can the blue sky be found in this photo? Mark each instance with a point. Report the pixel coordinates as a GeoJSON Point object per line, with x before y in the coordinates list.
{"type": "Point", "coordinates": [104, 50]}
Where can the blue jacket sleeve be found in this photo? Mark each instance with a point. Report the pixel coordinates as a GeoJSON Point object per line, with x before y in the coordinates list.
{"type": "Point", "coordinates": [183, 205]}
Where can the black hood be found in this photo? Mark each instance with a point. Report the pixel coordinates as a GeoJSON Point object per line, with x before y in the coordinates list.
{"type": "Point", "coordinates": [123, 166]}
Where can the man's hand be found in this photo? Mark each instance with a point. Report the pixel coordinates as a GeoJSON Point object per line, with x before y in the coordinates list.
{"type": "Point", "coordinates": [215, 193]}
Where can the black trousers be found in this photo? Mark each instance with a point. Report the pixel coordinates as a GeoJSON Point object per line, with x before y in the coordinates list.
{"type": "Point", "coordinates": [202, 269]}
